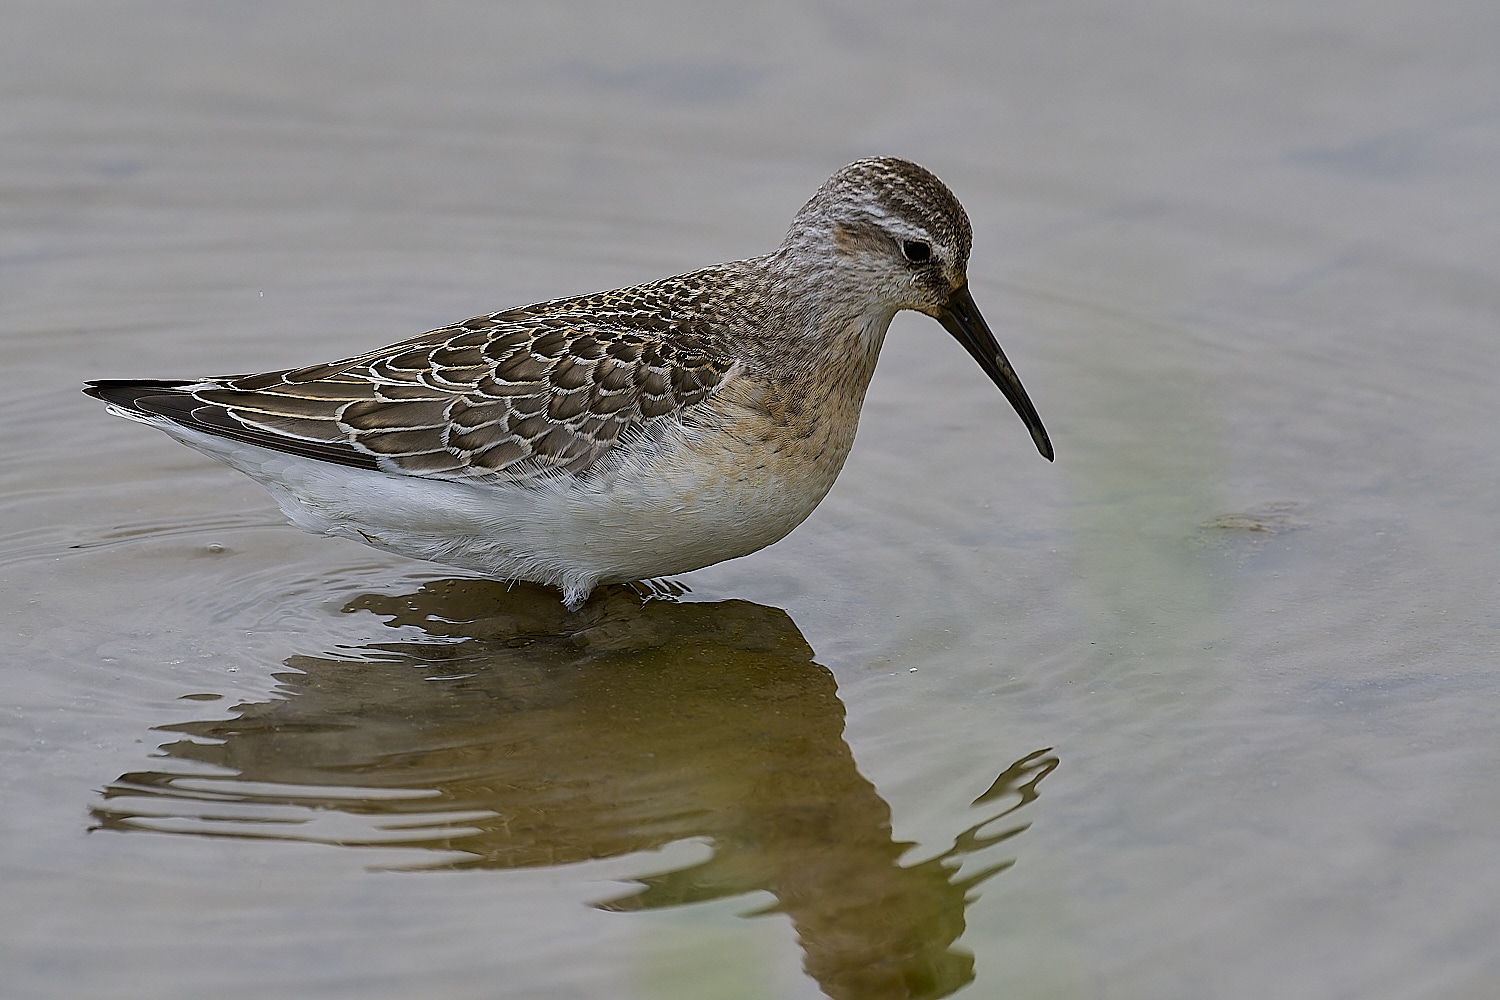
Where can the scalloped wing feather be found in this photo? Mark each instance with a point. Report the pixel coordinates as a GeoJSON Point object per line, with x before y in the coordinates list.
{"type": "Point", "coordinates": [524, 393]}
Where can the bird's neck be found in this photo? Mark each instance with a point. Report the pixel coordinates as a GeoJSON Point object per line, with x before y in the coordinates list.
{"type": "Point", "coordinates": [826, 323]}
{"type": "Point", "coordinates": [821, 339]}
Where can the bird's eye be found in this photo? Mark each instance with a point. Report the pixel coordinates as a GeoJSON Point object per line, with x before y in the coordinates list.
{"type": "Point", "coordinates": [916, 251]}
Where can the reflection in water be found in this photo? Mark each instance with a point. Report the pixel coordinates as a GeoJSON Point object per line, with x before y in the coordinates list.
{"type": "Point", "coordinates": [513, 734]}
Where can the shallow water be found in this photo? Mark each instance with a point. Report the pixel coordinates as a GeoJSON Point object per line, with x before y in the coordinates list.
{"type": "Point", "coordinates": [1206, 708]}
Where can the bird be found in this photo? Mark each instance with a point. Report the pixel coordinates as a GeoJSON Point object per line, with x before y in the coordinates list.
{"type": "Point", "coordinates": [612, 437]}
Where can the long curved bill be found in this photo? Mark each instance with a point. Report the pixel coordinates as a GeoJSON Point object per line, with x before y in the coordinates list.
{"type": "Point", "coordinates": [961, 318]}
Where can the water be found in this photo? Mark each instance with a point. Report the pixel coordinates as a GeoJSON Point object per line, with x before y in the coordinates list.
{"type": "Point", "coordinates": [1203, 709]}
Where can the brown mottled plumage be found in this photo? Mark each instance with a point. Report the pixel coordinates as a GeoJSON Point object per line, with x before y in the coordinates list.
{"type": "Point", "coordinates": [609, 437]}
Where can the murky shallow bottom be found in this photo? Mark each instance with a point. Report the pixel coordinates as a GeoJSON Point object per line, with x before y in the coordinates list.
{"type": "Point", "coordinates": [1205, 709]}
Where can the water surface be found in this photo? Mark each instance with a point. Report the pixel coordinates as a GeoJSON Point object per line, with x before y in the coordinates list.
{"type": "Point", "coordinates": [1205, 708]}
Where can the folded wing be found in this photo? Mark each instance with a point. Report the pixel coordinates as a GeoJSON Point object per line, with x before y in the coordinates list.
{"type": "Point", "coordinates": [512, 395]}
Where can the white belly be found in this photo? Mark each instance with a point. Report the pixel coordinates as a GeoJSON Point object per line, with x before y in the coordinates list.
{"type": "Point", "coordinates": [663, 509]}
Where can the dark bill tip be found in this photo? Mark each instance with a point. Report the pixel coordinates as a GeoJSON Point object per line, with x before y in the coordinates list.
{"type": "Point", "coordinates": [962, 319]}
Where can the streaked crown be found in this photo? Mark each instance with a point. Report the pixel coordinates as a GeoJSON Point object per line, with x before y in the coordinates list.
{"type": "Point", "coordinates": [886, 190]}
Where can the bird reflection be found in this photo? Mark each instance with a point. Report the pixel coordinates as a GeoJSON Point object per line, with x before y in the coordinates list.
{"type": "Point", "coordinates": [509, 733]}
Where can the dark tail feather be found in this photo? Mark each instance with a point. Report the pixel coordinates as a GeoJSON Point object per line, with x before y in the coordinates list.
{"type": "Point", "coordinates": [133, 393]}
{"type": "Point", "coordinates": [165, 398]}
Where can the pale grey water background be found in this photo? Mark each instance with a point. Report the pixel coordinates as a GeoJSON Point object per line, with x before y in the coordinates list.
{"type": "Point", "coordinates": [1246, 258]}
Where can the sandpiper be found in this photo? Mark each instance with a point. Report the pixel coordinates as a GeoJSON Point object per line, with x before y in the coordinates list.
{"type": "Point", "coordinates": [613, 437]}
